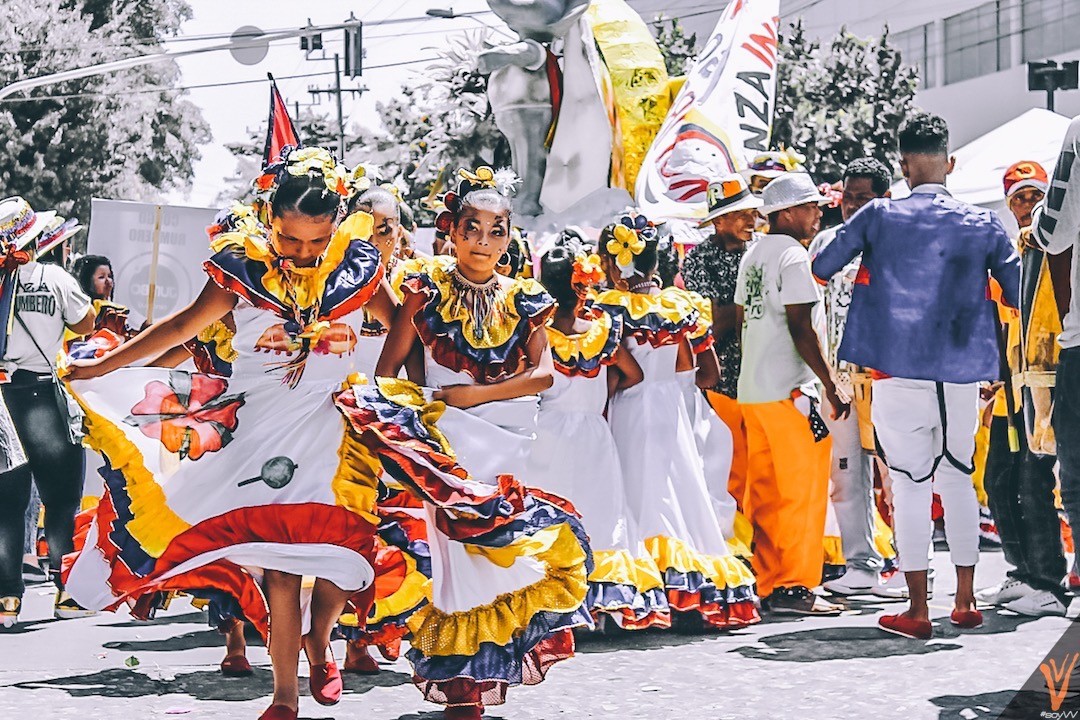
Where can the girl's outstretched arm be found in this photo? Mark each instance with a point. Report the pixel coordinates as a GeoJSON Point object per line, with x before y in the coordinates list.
{"type": "Point", "coordinates": [211, 305]}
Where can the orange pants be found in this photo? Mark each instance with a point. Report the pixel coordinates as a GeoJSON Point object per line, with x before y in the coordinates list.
{"type": "Point", "coordinates": [787, 491]}
{"type": "Point", "coordinates": [730, 412]}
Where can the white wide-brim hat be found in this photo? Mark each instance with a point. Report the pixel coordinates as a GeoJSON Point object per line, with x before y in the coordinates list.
{"type": "Point", "coordinates": [790, 190]}
{"type": "Point", "coordinates": [19, 224]}
{"type": "Point", "coordinates": [727, 195]}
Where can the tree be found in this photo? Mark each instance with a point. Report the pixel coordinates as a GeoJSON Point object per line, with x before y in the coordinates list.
{"type": "Point", "coordinates": [841, 104]}
{"type": "Point", "coordinates": [439, 122]}
{"type": "Point", "coordinates": [678, 49]}
{"type": "Point", "coordinates": [128, 135]}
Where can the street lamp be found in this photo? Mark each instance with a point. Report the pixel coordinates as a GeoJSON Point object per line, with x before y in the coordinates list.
{"type": "Point", "coordinates": [444, 13]}
{"type": "Point", "coordinates": [1050, 77]}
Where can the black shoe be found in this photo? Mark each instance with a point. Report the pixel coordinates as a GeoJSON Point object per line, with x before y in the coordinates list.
{"type": "Point", "coordinates": [800, 601]}
{"type": "Point", "coordinates": [33, 574]}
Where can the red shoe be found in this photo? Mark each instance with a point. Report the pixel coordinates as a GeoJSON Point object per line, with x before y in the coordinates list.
{"type": "Point", "coordinates": [236, 666]}
{"type": "Point", "coordinates": [966, 619]}
{"type": "Point", "coordinates": [391, 650]}
{"type": "Point", "coordinates": [325, 683]}
{"type": "Point", "coordinates": [904, 626]}
{"type": "Point", "coordinates": [364, 665]}
{"type": "Point", "coordinates": [279, 712]}
{"type": "Point", "coordinates": [463, 712]}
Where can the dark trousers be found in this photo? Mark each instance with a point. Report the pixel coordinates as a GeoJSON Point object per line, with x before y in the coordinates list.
{"type": "Point", "coordinates": [1067, 433]}
{"type": "Point", "coordinates": [55, 465]}
{"type": "Point", "coordinates": [1020, 488]}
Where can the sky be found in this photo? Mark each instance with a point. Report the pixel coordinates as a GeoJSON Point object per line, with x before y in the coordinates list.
{"type": "Point", "coordinates": [397, 33]}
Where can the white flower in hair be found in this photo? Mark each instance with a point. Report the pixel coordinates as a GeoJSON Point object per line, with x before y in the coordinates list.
{"type": "Point", "coordinates": [506, 181]}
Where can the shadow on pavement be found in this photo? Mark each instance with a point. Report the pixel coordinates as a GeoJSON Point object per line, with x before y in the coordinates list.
{"type": "Point", "coordinates": [192, 617]}
{"type": "Point", "coordinates": [988, 706]}
{"type": "Point", "coordinates": [202, 685]}
{"type": "Point", "coordinates": [188, 641]}
{"type": "Point", "coordinates": [27, 627]}
{"type": "Point", "coordinates": [842, 643]}
{"type": "Point", "coordinates": [644, 640]}
{"type": "Point", "coordinates": [439, 716]}
{"type": "Point", "coordinates": [994, 623]}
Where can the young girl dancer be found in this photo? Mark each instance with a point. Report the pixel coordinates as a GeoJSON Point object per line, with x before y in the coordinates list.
{"type": "Point", "coordinates": [664, 473]}
{"type": "Point", "coordinates": [212, 481]}
{"type": "Point", "coordinates": [574, 454]}
{"type": "Point", "coordinates": [509, 565]}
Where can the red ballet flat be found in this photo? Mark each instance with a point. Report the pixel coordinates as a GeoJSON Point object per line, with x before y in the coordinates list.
{"type": "Point", "coordinates": [325, 683]}
{"type": "Point", "coordinates": [463, 712]}
{"type": "Point", "coordinates": [363, 665]}
{"type": "Point", "coordinates": [904, 626]}
{"type": "Point", "coordinates": [279, 712]}
{"type": "Point", "coordinates": [966, 619]}
{"type": "Point", "coordinates": [236, 666]}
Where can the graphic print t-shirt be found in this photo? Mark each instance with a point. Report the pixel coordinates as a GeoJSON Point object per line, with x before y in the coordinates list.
{"type": "Point", "coordinates": [774, 273]}
{"type": "Point", "coordinates": [47, 299]}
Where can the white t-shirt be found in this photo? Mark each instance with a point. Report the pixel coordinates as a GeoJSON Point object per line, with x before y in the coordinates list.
{"type": "Point", "coordinates": [775, 272]}
{"type": "Point", "coordinates": [47, 300]}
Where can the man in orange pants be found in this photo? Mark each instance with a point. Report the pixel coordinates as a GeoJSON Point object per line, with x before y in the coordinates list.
{"type": "Point", "coordinates": [788, 445]}
{"type": "Point", "coordinates": [711, 269]}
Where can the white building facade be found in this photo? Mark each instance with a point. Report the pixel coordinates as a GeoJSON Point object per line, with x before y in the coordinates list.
{"type": "Point", "coordinates": [972, 55]}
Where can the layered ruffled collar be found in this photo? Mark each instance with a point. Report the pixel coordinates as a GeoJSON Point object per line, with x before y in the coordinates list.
{"type": "Point", "coordinates": [583, 354]}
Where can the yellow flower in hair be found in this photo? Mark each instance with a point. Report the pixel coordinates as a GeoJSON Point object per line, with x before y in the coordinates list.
{"type": "Point", "coordinates": [792, 159]}
{"type": "Point", "coordinates": [624, 245]}
{"type": "Point", "coordinates": [393, 190]}
{"type": "Point", "coordinates": [483, 176]}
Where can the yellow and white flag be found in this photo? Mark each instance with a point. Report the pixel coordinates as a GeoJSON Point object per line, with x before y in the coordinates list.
{"type": "Point", "coordinates": [721, 116]}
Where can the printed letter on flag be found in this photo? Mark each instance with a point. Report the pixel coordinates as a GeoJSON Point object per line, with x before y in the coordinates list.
{"type": "Point", "coordinates": [721, 116]}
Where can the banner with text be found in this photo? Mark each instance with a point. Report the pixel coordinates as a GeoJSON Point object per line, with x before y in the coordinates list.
{"type": "Point", "coordinates": [721, 117]}
{"type": "Point", "coordinates": [156, 252]}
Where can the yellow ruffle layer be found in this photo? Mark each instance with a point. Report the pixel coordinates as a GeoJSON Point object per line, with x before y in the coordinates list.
{"type": "Point", "coordinates": [306, 283]}
{"type": "Point", "coordinates": [499, 325]}
{"type": "Point", "coordinates": [744, 535]}
{"type": "Point", "coordinates": [356, 482]}
{"type": "Point", "coordinates": [620, 567]}
{"type": "Point", "coordinates": [414, 590]}
{"type": "Point", "coordinates": [673, 554]}
{"type": "Point", "coordinates": [154, 524]}
{"type": "Point", "coordinates": [672, 304]}
{"type": "Point", "coordinates": [834, 551]}
{"type": "Point", "coordinates": [586, 345]}
{"type": "Point", "coordinates": [561, 590]}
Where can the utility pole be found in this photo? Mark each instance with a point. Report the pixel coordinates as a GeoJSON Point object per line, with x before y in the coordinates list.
{"type": "Point", "coordinates": [353, 67]}
{"type": "Point", "coordinates": [1050, 77]}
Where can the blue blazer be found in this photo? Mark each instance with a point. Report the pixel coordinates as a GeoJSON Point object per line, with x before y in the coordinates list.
{"type": "Point", "coordinates": [921, 308]}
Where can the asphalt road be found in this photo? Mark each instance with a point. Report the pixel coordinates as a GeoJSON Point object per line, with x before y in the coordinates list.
{"type": "Point", "coordinates": [803, 668]}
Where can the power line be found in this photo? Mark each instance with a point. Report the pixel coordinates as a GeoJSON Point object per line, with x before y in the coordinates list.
{"type": "Point", "coordinates": [184, 88]}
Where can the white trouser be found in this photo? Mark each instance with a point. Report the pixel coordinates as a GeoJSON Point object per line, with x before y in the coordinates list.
{"type": "Point", "coordinates": [909, 426]}
{"type": "Point", "coordinates": [852, 492]}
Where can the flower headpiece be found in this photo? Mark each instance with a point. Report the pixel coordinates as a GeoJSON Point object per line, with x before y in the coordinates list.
{"type": "Point", "coordinates": [587, 271]}
{"type": "Point", "coordinates": [394, 189]}
{"type": "Point", "coordinates": [629, 235]}
{"type": "Point", "coordinates": [303, 161]}
{"type": "Point", "coordinates": [503, 181]}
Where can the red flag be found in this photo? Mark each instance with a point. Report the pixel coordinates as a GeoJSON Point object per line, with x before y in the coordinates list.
{"type": "Point", "coordinates": [280, 130]}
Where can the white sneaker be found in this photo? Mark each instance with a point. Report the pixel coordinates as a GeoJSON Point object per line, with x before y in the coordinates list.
{"type": "Point", "coordinates": [853, 582]}
{"type": "Point", "coordinates": [1039, 603]}
{"type": "Point", "coordinates": [1005, 592]}
{"type": "Point", "coordinates": [895, 588]}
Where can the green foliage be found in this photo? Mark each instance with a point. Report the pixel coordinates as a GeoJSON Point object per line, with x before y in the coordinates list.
{"type": "Point", "coordinates": [441, 121]}
{"type": "Point", "coordinates": [677, 47]}
{"type": "Point", "coordinates": [111, 140]}
{"type": "Point", "coordinates": [842, 103]}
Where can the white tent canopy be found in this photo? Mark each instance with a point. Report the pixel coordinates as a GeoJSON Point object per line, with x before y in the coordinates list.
{"type": "Point", "coordinates": [980, 165]}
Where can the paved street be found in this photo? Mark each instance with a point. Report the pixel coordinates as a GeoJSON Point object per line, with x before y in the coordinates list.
{"type": "Point", "coordinates": [821, 668]}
